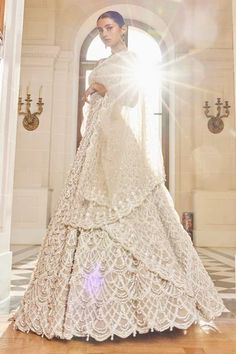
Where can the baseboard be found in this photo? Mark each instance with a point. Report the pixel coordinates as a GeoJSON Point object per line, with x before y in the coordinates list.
{"type": "Point", "coordinates": [28, 236]}
{"type": "Point", "coordinates": [209, 238]}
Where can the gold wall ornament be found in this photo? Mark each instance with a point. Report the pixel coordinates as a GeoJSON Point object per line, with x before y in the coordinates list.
{"type": "Point", "coordinates": [215, 123]}
{"type": "Point", "coordinates": [30, 120]}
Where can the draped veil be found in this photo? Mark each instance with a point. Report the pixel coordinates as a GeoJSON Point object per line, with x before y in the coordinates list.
{"type": "Point", "coordinates": [123, 162]}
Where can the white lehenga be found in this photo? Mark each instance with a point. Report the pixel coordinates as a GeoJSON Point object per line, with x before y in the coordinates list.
{"type": "Point", "coordinates": [116, 259]}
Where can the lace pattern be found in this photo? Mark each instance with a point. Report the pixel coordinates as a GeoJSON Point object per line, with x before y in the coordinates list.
{"type": "Point", "coordinates": [136, 274]}
{"type": "Point", "coordinates": [112, 266]}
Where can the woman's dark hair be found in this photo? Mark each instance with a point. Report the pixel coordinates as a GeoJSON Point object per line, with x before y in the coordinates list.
{"type": "Point", "coordinates": [114, 15]}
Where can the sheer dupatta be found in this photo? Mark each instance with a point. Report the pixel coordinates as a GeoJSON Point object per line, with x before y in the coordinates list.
{"type": "Point", "coordinates": [123, 162]}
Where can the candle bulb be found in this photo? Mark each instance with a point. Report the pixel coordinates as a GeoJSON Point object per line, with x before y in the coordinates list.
{"type": "Point", "coordinates": [40, 91]}
{"type": "Point", "coordinates": [27, 90]}
{"type": "Point", "coordinates": [20, 92]}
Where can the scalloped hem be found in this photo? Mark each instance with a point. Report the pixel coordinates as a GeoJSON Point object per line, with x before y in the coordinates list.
{"type": "Point", "coordinates": [146, 260]}
{"type": "Point", "coordinates": [111, 336]}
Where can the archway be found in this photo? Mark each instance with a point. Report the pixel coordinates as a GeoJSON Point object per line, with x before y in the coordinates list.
{"type": "Point", "coordinates": [138, 36]}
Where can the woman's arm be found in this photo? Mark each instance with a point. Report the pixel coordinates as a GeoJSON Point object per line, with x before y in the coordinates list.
{"type": "Point", "coordinates": [94, 87]}
{"type": "Point", "coordinates": [99, 88]}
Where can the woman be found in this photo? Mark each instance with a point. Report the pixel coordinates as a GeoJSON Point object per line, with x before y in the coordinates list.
{"type": "Point", "coordinates": [116, 259]}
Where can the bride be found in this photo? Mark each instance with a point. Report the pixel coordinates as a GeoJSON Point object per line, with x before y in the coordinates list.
{"type": "Point", "coordinates": [116, 259]}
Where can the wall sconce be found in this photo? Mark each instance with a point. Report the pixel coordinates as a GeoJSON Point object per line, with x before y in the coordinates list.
{"type": "Point", "coordinates": [30, 120]}
{"type": "Point", "coordinates": [215, 123]}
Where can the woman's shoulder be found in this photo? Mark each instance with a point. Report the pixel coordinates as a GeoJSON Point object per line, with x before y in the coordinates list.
{"type": "Point", "coordinates": [100, 61]}
{"type": "Point", "coordinates": [124, 54]}
{"type": "Point", "coordinates": [130, 55]}
{"type": "Point", "coordinates": [131, 52]}
{"type": "Point", "coordinates": [127, 52]}
{"type": "Point", "coordinates": [119, 54]}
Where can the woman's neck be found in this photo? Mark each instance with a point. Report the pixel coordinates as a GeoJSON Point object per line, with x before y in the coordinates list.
{"type": "Point", "coordinates": [118, 48]}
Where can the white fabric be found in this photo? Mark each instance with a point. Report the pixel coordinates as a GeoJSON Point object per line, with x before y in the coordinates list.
{"type": "Point", "coordinates": [123, 161]}
{"type": "Point", "coordinates": [115, 259]}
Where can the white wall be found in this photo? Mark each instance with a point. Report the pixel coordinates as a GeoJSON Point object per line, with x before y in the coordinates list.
{"type": "Point", "coordinates": [33, 148]}
{"type": "Point", "coordinates": [8, 113]}
{"type": "Point", "coordinates": [201, 40]}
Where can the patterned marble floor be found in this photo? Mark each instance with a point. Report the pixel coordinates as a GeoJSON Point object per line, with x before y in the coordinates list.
{"type": "Point", "coordinates": [219, 262]}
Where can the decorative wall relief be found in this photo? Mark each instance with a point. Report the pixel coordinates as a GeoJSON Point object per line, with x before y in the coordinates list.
{"type": "Point", "coordinates": [215, 123]}
{"type": "Point", "coordinates": [30, 120]}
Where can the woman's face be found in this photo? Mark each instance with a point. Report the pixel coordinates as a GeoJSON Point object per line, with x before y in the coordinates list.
{"type": "Point", "coordinates": [110, 32]}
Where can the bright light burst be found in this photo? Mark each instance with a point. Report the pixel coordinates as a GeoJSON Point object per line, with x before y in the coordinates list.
{"type": "Point", "coordinates": [159, 73]}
